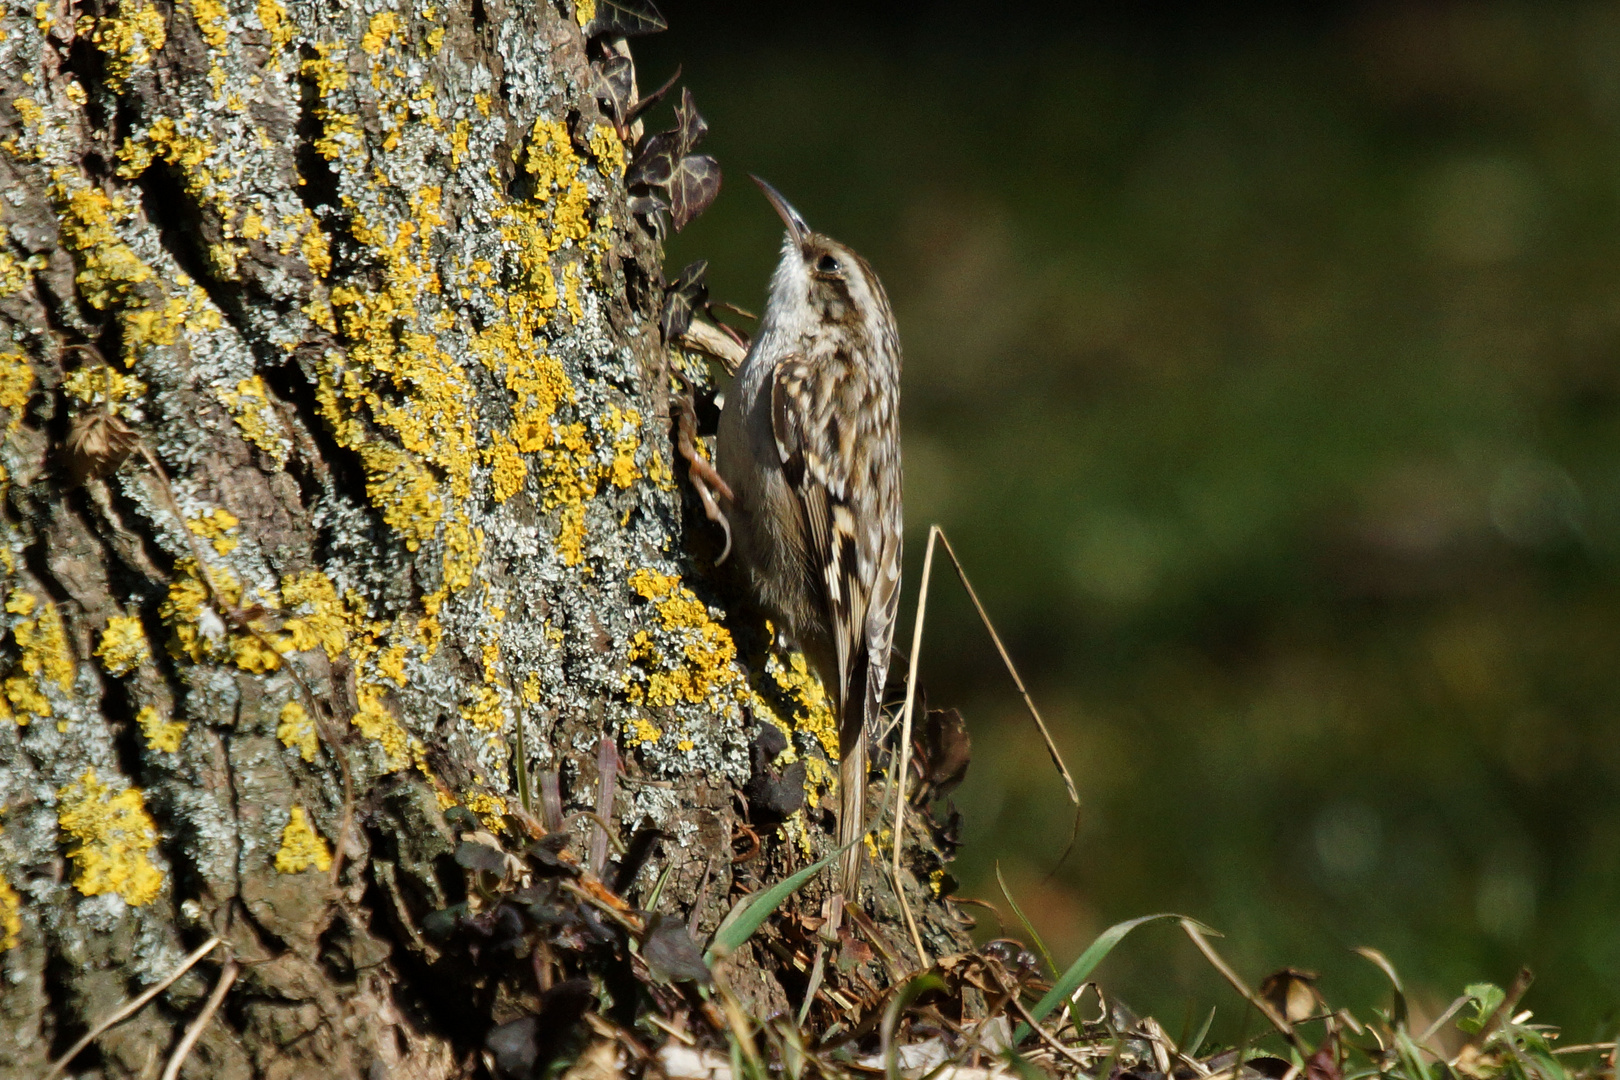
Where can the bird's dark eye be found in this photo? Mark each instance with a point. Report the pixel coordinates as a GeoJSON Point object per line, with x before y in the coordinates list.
{"type": "Point", "coordinates": [828, 265]}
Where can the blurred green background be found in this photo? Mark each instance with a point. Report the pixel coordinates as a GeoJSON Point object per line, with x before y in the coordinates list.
{"type": "Point", "coordinates": [1263, 362]}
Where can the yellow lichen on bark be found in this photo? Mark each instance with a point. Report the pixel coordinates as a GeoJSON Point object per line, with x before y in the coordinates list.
{"type": "Point", "coordinates": [161, 735]}
{"type": "Point", "coordinates": [214, 526]}
{"type": "Point", "coordinates": [813, 711]}
{"type": "Point", "coordinates": [103, 387]}
{"type": "Point", "coordinates": [251, 408]}
{"type": "Point", "coordinates": [301, 846]}
{"type": "Point", "coordinates": [46, 658]}
{"type": "Point", "coordinates": [706, 669]}
{"type": "Point", "coordinates": [297, 730]}
{"type": "Point", "coordinates": [10, 916]}
{"type": "Point", "coordinates": [16, 383]}
{"type": "Point", "coordinates": [273, 17]}
{"type": "Point", "coordinates": [608, 150]}
{"type": "Point", "coordinates": [374, 721]}
{"type": "Point", "coordinates": [127, 39]}
{"type": "Point", "coordinates": [123, 645]}
{"type": "Point", "coordinates": [114, 834]}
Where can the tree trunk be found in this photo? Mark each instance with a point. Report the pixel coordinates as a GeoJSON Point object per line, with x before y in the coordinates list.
{"type": "Point", "coordinates": [337, 466]}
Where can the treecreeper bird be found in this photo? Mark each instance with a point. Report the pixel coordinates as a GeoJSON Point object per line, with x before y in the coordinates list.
{"type": "Point", "coordinates": [809, 445]}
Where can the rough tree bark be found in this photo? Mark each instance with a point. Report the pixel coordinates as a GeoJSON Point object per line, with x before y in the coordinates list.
{"type": "Point", "coordinates": [336, 448]}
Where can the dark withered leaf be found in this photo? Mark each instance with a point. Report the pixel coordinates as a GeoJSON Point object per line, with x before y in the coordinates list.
{"type": "Point", "coordinates": [596, 931]}
{"type": "Point", "coordinates": [769, 742]}
{"type": "Point", "coordinates": [543, 854]}
{"type": "Point", "coordinates": [684, 296]}
{"type": "Point", "coordinates": [459, 817]}
{"type": "Point", "coordinates": [635, 857]}
{"type": "Point", "coordinates": [655, 161]}
{"type": "Point", "coordinates": [670, 953]}
{"type": "Point", "coordinates": [440, 925]}
{"type": "Point", "coordinates": [541, 892]}
{"type": "Point", "coordinates": [507, 932]}
{"type": "Point", "coordinates": [481, 923]}
{"type": "Point", "coordinates": [475, 856]}
{"type": "Point", "coordinates": [546, 862]}
{"type": "Point", "coordinates": [625, 18]}
{"type": "Point", "coordinates": [1003, 951]}
{"type": "Point", "coordinates": [615, 83]}
{"type": "Point", "coordinates": [515, 1046]}
{"type": "Point", "coordinates": [555, 841]}
{"type": "Point", "coordinates": [566, 1002]}
{"type": "Point", "coordinates": [689, 125]}
{"type": "Point", "coordinates": [525, 1047]}
{"type": "Point", "coordinates": [949, 748]}
{"type": "Point", "coordinates": [693, 187]}
{"type": "Point", "coordinates": [776, 794]}
{"type": "Point", "coordinates": [1324, 1064]}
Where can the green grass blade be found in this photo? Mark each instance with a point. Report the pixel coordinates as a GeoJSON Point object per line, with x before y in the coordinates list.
{"type": "Point", "coordinates": [1197, 1044]}
{"type": "Point", "coordinates": [1029, 927]}
{"type": "Point", "coordinates": [907, 996]}
{"type": "Point", "coordinates": [750, 914]}
{"type": "Point", "coordinates": [1082, 968]}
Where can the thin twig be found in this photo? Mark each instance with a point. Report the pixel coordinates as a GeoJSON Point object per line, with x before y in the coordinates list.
{"type": "Point", "coordinates": [133, 1006]}
{"type": "Point", "coordinates": [1585, 1048]}
{"type": "Point", "coordinates": [669, 1029]}
{"type": "Point", "coordinates": [903, 771]}
{"type": "Point", "coordinates": [227, 976]}
{"type": "Point", "coordinates": [1029, 703]}
{"type": "Point", "coordinates": [1278, 1021]}
{"type": "Point", "coordinates": [1504, 1011]}
{"type": "Point", "coordinates": [1432, 1029]}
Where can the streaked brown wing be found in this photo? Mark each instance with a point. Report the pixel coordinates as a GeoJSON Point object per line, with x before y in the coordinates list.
{"type": "Point", "coordinates": [820, 453]}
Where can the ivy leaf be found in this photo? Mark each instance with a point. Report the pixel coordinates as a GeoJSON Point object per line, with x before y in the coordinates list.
{"type": "Point", "coordinates": [693, 187]}
{"type": "Point", "coordinates": [476, 856]}
{"type": "Point", "coordinates": [615, 82]}
{"type": "Point", "coordinates": [625, 18]}
{"type": "Point", "coordinates": [686, 294]}
{"type": "Point", "coordinates": [689, 126]}
{"type": "Point", "coordinates": [655, 161]}
{"type": "Point", "coordinates": [670, 954]}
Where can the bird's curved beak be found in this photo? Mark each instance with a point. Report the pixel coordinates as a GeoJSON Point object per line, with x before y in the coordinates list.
{"type": "Point", "coordinates": [790, 217]}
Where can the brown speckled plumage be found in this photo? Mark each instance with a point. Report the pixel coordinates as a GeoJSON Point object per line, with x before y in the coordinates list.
{"type": "Point", "coordinates": [810, 447]}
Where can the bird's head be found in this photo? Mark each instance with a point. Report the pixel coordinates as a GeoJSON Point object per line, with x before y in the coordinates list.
{"type": "Point", "coordinates": [820, 283]}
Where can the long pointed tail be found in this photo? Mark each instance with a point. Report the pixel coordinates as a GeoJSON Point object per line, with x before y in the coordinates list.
{"type": "Point", "coordinates": [858, 722]}
{"type": "Point", "coordinates": [852, 814]}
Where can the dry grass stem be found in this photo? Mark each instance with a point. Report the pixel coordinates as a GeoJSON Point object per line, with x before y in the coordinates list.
{"type": "Point", "coordinates": [227, 976]}
{"type": "Point", "coordinates": [903, 768]}
{"type": "Point", "coordinates": [1029, 703]}
{"type": "Point", "coordinates": [1278, 1021]}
